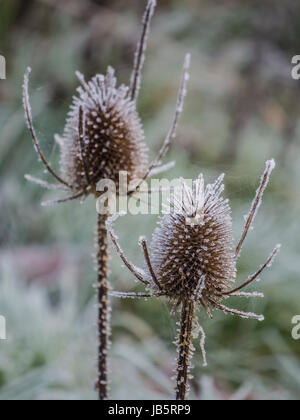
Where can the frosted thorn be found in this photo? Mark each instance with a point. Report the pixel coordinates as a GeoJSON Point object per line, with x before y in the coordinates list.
{"type": "Point", "coordinates": [207, 310]}
{"type": "Point", "coordinates": [45, 184]}
{"type": "Point", "coordinates": [124, 295]}
{"type": "Point", "coordinates": [258, 272]}
{"type": "Point", "coordinates": [58, 139]}
{"type": "Point", "coordinates": [161, 169]}
{"type": "Point", "coordinates": [248, 295]}
{"type": "Point", "coordinates": [84, 84]}
{"type": "Point", "coordinates": [172, 133]}
{"type": "Point", "coordinates": [241, 314]}
{"type": "Point", "coordinates": [137, 272]}
{"type": "Point", "coordinates": [175, 307]}
{"type": "Point", "coordinates": [63, 200]}
{"type": "Point", "coordinates": [81, 135]}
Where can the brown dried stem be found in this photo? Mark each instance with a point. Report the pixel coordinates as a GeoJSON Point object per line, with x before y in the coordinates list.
{"type": "Point", "coordinates": [103, 308]}
{"type": "Point", "coordinates": [184, 346]}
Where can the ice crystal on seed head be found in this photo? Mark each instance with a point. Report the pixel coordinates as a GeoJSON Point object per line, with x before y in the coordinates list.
{"type": "Point", "coordinates": [192, 249]}
{"type": "Point", "coordinates": [112, 134]}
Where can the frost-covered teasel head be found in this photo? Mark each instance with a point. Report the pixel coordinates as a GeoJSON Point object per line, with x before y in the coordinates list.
{"type": "Point", "coordinates": [113, 137]}
{"type": "Point", "coordinates": [192, 249]}
{"type": "Point", "coordinates": [193, 261]}
{"type": "Point", "coordinates": [103, 135]}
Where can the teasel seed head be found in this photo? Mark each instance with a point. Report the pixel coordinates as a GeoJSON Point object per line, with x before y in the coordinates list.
{"type": "Point", "coordinates": [192, 249]}
{"type": "Point", "coordinates": [113, 137]}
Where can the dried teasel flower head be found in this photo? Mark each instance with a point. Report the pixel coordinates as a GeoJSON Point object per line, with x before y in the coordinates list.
{"type": "Point", "coordinates": [112, 134]}
{"type": "Point", "coordinates": [192, 249]}
{"type": "Point", "coordinates": [103, 135]}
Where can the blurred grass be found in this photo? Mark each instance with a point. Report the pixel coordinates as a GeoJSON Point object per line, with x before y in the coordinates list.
{"type": "Point", "coordinates": [50, 351]}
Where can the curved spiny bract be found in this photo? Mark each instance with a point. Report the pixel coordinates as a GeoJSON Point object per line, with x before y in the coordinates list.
{"type": "Point", "coordinates": [112, 135]}
{"type": "Point", "coordinates": [193, 260]}
{"type": "Point", "coordinates": [192, 249]}
{"type": "Point", "coordinates": [104, 329]}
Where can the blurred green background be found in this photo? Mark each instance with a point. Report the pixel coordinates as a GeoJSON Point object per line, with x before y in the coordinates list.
{"type": "Point", "coordinates": [242, 109]}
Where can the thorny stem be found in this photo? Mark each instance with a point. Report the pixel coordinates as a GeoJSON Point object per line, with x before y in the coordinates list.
{"type": "Point", "coordinates": [103, 307]}
{"type": "Point", "coordinates": [184, 347]}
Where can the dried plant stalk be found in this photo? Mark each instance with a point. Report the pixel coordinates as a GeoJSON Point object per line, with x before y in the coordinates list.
{"type": "Point", "coordinates": [184, 343]}
{"type": "Point", "coordinates": [103, 308]}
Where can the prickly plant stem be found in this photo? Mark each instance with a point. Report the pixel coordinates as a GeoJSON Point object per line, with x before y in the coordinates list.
{"type": "Point", "coordinates": [184, 347]}
{"type": "Point", "coordinates": [103, 307]}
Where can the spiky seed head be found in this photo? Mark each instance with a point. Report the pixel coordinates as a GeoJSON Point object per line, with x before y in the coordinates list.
{"type": "Point", "coordinates": [112, 130]}
{"type": "Point", "coordinates": [192, 249]}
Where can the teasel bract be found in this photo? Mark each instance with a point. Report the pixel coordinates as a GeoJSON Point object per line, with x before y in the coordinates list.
{"type": "Point", "coordinates": [193, 262]}
{"type": "Point", "coordinates": [104, 136]}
